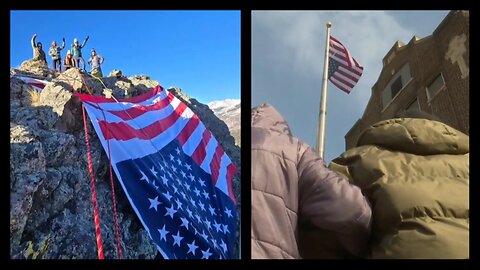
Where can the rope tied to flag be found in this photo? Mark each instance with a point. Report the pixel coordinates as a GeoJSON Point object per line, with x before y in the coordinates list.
{"type": "Point", "coordinates": [94, 199]}
{"type": "Point", "coordinates": [96, 216]}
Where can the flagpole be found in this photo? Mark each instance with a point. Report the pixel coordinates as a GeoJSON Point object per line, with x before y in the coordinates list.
{"type": "Point", "coordinates": [323, 101]}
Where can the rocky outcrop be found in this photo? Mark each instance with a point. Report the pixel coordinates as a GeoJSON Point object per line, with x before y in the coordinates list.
{"type": "Point", "coordinates": [50, 195]}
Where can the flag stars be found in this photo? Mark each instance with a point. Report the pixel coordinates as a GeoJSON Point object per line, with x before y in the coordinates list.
{"type": "Point", "coordinates": [170, 211]}
{"type": "Point", "coordinates": [204, 235]}
{"type": "Point", "coordinates": [206, 254]}
{"type": "Point", "coordinates": [161, 167]}
{"type": "Point", "coordinates": [184, 222]}
{"type": "Point", "coordinates": [177, 150]}
{"type": "Point", "coordinates": [171, 157]}
{"type": "Point", "coordinates": [187, 186]}
{"type": "Point", "coordinates": [212, 210]}
{"type": "Point", "coordinates": [170, 174]}
{"type": "Point", "coordinates": [228, 212]}
{"type": "Point", "coordinates": [207, 222]}
{"type": "Point", "coordinates": [178, 181]}
{"type": "Point", "coordinates": [197, 192]}
{"type": "Point", "coordinates": [167, 195]}
{"type": "Point", "coordinates": [205, 194]}
{"type": "Point", "coordinates": [191, 177]}
{"type": "Point", "coordinates": [184, 175]}
{"type": "Point", "coordinates": [225, 228]}
{"type": "Point", "coordinates": [183, 195]}
{"type": "Point", "coordinates": [192, 247]}
{"type": "Point", "coordinates": [175, 190]}
{"type": "Point", "coordinates": [179, 204]}
{"type": "Point", "coordinates": [153, 184]}
{"type": "Point", "coordinates": [190, 213]}
{"type": "Point", "coordinates": [163, 233]}
{"type": "Point", "coordinates": [192, 201]}
{"type": "Point", "coordinates": [154, 203]}
{"type": "Point", "coordinates": [224, 246]}
{"type": "Point", "coordinates": [177, 238]}
{"type": "Point", "coordinates": [174, 169]}
{"type": "Point", "coordinates": [215, 245]}
{"type": "Point", "coordinates": [189, 168]}
{"type": "Point", "coordinates": [153, 171]}
{"type": "Point", "coordinates": [179, 161]}
{"type": "Point", "coordinates": [202, 206]}
{"type": "Point", "coordinates": [202, 183]}
{"type": "Point", "coordinates": [217, 226]}
{"type": "Point", "coordinates": [165, 179]}
{"type": "Point", "coordinates": [198, 218]}
{"type": "Point", "coordinates": [144, 177]}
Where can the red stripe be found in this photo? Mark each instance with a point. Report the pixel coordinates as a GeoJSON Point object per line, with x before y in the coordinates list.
{"type": "Point", "coordinates": [200, 153]}
{"type": "Point", "coordinates": [354, 70]}
{"type": "Point", "coordinates": [136, 111]}
{"type": "Point", "coordinates": [346, 74]}
{"type": "Point", "coordinates": [188, 130]}
{"type": "Point", "coordinates": [341, 87]}
{"type": "Point", "coordinates": [215, 163]}
{"type": "Point", "coordinates": [340, 79]}
{"type": "Point", "coordinates": [39, 85]}
{"type": "Point", "coordinates": [135, 99]}
{"type": "Point", "coordinates": [122, 131]}
{"type": "Point", "coordinates": [231, 171]}
{"type": "Point", "coordinates": [344, 49]}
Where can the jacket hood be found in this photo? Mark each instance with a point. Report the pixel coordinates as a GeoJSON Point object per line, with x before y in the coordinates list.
{"type": "Point", "coordinates": [416, 136]}
{"type": "Point", "coordinates": [266, 116]}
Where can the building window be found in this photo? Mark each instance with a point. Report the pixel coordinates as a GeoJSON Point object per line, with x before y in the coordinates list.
{"type": "Point", "coordinates": [396, 84]}
{"type": "Point", "coordinates": [415, 105]}
{"type": "Point", "coordinates": [435, 87]}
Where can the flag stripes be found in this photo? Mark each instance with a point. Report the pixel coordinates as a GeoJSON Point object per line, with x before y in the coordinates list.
{"type": "Point", "coordinates": [343, 70]}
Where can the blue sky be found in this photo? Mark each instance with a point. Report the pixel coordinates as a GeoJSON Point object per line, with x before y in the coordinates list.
{"type": "Point", "coordinates": [287, 63]}
{"type": "Point", "coordinates": [198, 51]}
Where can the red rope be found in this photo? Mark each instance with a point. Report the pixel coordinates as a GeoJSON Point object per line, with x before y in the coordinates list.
{"type": "Point", "coordinates": [84, 82]}
{"type": "Point", "coordinates": [96, 216]}
{"type": "Point", "coordinates": [117, 234]}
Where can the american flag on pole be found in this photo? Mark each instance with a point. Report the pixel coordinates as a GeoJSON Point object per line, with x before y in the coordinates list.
{"type": "Point", "coordinates": [175, 174]}
{"type": "Point", "coordinates": [343, 70]}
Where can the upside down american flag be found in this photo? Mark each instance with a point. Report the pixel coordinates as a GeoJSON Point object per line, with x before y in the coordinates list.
{"type": "Point", "coordinates": [175, 174]}
{"type": "Point", "coordinates": [343, 70]}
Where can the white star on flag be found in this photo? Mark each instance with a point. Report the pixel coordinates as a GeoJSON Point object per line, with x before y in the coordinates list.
{"type": "Point", "coordinates": [154, 203]}
{"type": "Point", "coordinates": [177, 238]}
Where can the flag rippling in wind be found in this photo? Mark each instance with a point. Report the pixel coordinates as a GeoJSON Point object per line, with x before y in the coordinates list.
{"type": "Point", "coordinates": [343, 70]}
{"type": "Point", "coordinates": [175, 174]}
{"type": "Point", "coordinates": [35, 83]}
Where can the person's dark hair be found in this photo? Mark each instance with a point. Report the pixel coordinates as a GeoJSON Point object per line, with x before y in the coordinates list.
{"type": "Point", "coordinates": [39, 44]}
{"type": "Point", "coordinates": [417, 114]}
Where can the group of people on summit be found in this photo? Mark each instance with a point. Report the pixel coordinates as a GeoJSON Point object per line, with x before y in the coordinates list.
{"type": "Point", "coordinates": [73, 58]}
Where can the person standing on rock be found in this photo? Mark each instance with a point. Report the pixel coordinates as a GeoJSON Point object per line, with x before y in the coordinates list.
{"type": "Point", "coordinates": [38, 53]}
{"type": "Point", "coordinates": [56, 56]}
{"type": "Point", "coordinates": [77, 51]}
{"type": "Point", "coordinates": [69, 61]}
{"type": "Point", "coordinates": [95, 61]}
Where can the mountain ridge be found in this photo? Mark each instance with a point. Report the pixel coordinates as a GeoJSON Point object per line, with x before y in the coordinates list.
{"type": "Point", "coordinates": [50, 198]}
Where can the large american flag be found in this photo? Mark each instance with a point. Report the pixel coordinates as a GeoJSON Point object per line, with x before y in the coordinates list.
{"type": "Point", "coordinates": [343, 70]}
{"type": "Point", "coordinates": [175, 174]}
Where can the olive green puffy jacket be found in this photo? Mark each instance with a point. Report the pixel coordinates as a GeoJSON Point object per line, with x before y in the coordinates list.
{"type": "Point", "coordinates": [415, 173]}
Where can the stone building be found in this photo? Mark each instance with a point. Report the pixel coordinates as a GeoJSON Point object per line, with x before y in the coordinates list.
{"type": "Point", "coordinates": [430, 74]}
